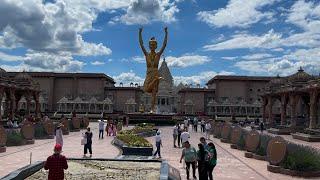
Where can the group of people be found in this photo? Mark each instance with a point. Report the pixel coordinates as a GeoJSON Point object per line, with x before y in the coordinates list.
{"type": "Point", "coordinates": [110, 128]}
{"type": "Point", "coordinates": [205, 158]}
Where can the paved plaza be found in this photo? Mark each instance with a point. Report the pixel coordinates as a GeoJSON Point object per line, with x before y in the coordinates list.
{"type": "Point", "coordinates": [231, 163]}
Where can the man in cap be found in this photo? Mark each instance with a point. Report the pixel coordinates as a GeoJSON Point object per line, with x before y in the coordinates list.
{"type": "Point", "coordinates": [56, 164]}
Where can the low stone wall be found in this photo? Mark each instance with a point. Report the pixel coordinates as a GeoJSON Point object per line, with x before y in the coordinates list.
{"type": "Point", "coordinates": [24, 172]}
{"type": "Point", "coordinates": [167, 172]}
{"type": "Point", "coordinates": [126, 150]}
{"type": "Point", "coordinates": [278, 169]}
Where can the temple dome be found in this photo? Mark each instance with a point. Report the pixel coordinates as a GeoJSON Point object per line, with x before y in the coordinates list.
{"type": "Point", "coordinates": [165, 73]}
{"type": "Point", "coordinates": [300, 76]}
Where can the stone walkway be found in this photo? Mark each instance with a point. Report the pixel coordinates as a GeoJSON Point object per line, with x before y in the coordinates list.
{"type": "Point", "coordinates": [19, 156]}
{"type": "Point", "coordinates": [232, 165]}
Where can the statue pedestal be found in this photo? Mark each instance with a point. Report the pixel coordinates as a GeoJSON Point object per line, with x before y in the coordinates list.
{"type": "Point", "coordinates": [3, 149]}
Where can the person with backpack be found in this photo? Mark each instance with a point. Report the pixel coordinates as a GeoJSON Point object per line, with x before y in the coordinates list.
{"type": "Point", "coordinates": [189, 154]}
{"type": "Point", "coordinates": [179, 134]}
{"type": "Point", "coordinates": [202, 157]}
{"type": "Point", "coordinates": [212, 159]}
{"type": "Point", "coordinates": [175, 135]}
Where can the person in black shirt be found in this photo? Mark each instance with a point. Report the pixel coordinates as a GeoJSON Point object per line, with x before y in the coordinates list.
{"type": "Point", "coordinates": [88, 145]}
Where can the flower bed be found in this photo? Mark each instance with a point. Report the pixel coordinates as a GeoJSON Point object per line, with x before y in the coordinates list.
{"type": "Point", "coordinates": [15, 139]}
{"type": "Point", "coordinates": [133, 140]}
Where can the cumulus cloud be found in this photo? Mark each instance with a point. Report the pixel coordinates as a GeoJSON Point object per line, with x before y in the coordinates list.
{"type": "Point", "coordinates": [128, 77]}
{"type": "Point", "coordinates": [237, 14]}
{"type": "Point", "coordinates": [146, 11]}
{"type": "Point", "coordinates": [187, 60]}
{"type": "Point", "coordinates": [245, 40]}
{"type": "Point", "coordinates": [8, 57]}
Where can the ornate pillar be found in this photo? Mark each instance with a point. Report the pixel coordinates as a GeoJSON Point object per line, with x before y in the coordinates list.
{"type": "Point", "coordinates": [313, 109]}
{"type": "Point", "coordinates": [28, 99]}
{"type": "Point", "coordinates": [12, 103]}
{"type": "Point", "coordinates": [36, 99]}
{"type": "Point", "coordinates": [293, 103]}
{"type": "Point", "coordinates": [264, 104]}
{"type": "Point", "coordinates": [270, 114]}
{"type": "Point", "coordinates": [283, 109]}
{"type": "Point", "coordinates": [1, 97]}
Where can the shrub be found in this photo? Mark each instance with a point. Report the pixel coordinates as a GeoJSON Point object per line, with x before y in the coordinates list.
{"type": "Point", "coordinates": [301, 158]}
{"type": "Point", "coordinates": [133, 140]}
{"type": "Point", "coordinates": [145, 125]}
{"type": "Point", "coordinates": [39, 131]}
{"type": "Point", "coordinates": [137, 130]}
{"type": "Point", "coordinates": [262, 149]}
{"type": "Point", "coordinates": [15, 139]}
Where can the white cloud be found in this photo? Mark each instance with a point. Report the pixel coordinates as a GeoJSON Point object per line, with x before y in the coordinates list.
{"type": "Point", "coordinates": [139, 59]}
{"type": "Point", "coordinates": [241, 41]}
{"type": "Point", "coordinates": [97, 63]}
{"type": "Point", "coordinates": [201, 78]}
{"type": "Point", "coordinates": [237, 13]}
{"type": "Point", "coordinates": [229, 58]}
{"type": "Point", "coordinates": [128, 77]}
{"type": "Point", "coordinates": [146, 11]}
{"type": "Point", "coordinates": [7, 57]}
{"type": "Point", "coordinates": [305, 15]}
{"type": "Point", "coordinates": [256, 56]}
{"type": "Point", "coordinates": [187, 60]}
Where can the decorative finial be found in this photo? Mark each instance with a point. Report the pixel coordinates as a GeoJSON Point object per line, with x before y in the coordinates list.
{"type": "Point", "coordinates": [300, 70]}
{"type": "Point", "coordinates": [164, 58]}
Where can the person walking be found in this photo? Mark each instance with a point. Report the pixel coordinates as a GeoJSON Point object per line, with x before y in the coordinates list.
{"type": "Point", "coordinates": [56, 164]}
{"type": "Point", "coordinates": [261, 126]}
{"type": "Point", "coordinates": [202, 124]}
{"type": "Point", "coordinates": [202, 157]}
{"type": "Point", "coordinates": [179, 134]}
{"type": "Point", "coordinates": [175, 135]}
{"type": "Point", "coordinates": [212, 159]}
{"type": "Point", "coordinates": [195, 124]}
{"type": "Point", "coordinates": [204, 143]}
{"type": "Point", "coordinates": [189, 154]}
{"type": "Point", "coordinates": [88, 146]}
{"type": "Point", "coordinates": [208, 130]}
{"type": "Point", "coordinates": [101, 128]}
{"type": "Point", "coordinates": [158, 144]}
{"type": "Point", "coordinates": [59, 134]}
{"type": "Point", "coordinates": [186, 123]}
{"type": "Point", "coordinates": [184, 137]}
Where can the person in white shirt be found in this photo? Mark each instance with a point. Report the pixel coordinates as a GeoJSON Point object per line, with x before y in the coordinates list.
{"type": "Point", "coordinates": [175, 135]}
{"type": "Point", "coordinates": [208, 129]}
{"type": "Point", "coordinates": [185, 137]}
{"type": "Point", "coordinates": [158, 144]}
{"type": "Point", "coordinates": [186, 124]}
{"type": "Point", "coordinates": [101, 128]}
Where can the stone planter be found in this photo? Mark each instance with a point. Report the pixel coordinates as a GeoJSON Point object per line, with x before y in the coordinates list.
{"type": "Point", "coordinates": [3, 139]}
{"type": "Point", "coordinates": [126, 150]}
{"type": "Point", "coordinates": [304, 174]}
{"type": "Point", "coordinates": [224, 140]}
{"type": "Point", "coordinates": [255, 156]}
{"type": "Point", "coordinates": [306, 137]}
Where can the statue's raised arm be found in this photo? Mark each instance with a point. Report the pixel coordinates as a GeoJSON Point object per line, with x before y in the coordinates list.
{"type": "Point", "coordinates": [164, 41]}
{"type": "Point", "coordinates": [141, 42]}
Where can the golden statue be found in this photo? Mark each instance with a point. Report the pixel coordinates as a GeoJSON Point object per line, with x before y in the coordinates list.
{"type": "Point", "coordinates": [151, 82]}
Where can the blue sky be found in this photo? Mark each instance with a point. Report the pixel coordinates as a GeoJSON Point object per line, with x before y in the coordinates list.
{"type": "Point", "coordinates": [206, 37]}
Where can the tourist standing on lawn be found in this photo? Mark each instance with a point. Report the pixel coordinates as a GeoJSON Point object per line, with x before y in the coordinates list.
{"type": "Point", "coordinates": [202, 157]}
{"type": "Point", "coordinates": [88, 146]}
{"type": "Point", "coordinates": [56, 164]}
{"type": "Point", "coordinates": [212, 159]}
{"type": "Point", "coordinates": [189, 154]}
{"type": "Point", "coordinates": [208, 130]}
{"type": "Point", "coordinates": [59, 135]}
{"type": "Point", "coordinates": [101, 128]}
{"type": "Point", "coordinates": [185, 137]}
{"type": "Point", "coordinates": [175, 135]}
{"type": "Point", "coordinates": [158, 144]}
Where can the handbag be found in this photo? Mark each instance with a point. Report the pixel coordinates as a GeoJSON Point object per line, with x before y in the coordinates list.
{"type": "Point", "coordinates": [84, 140]}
